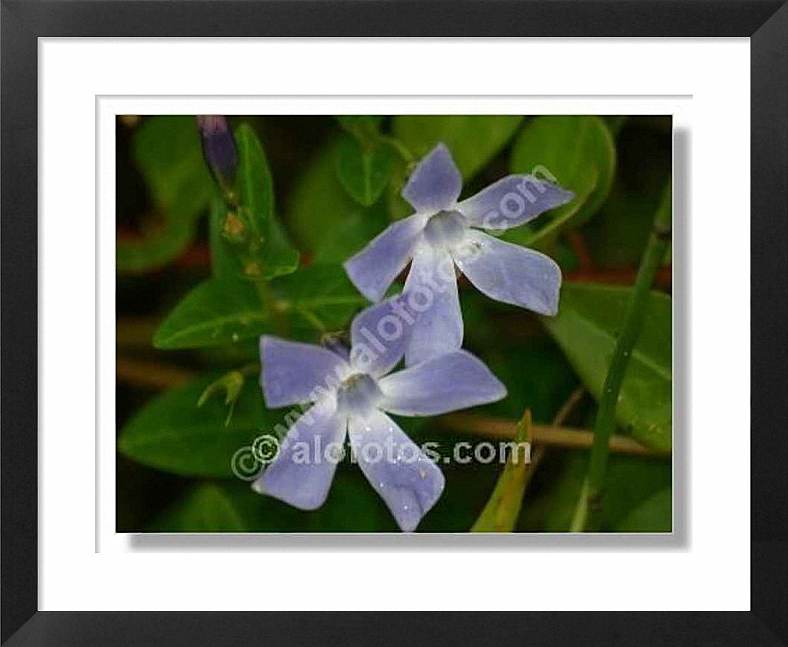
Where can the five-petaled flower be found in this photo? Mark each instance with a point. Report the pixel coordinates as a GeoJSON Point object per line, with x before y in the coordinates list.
{"type": "Point", "coordinates": [444, 232]}
{"type": "Point", "coordinates": [351, 393]}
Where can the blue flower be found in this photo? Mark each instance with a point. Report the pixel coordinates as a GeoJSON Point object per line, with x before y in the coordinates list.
{"type": "Point", "coordinates": [444, 233]}
{"type": "Point", "coordinates": [351, 394]}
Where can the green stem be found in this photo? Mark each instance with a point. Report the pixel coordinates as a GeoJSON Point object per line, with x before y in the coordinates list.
{"type": "Point", "coordinates": [589, 504]}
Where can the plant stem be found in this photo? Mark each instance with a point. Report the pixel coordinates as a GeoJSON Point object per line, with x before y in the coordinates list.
{"type": "Point", "coordinates": [590, 501]}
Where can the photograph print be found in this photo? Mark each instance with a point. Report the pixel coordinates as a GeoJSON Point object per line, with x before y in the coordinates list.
{"type": "Point", "coordinates": [394, 324]}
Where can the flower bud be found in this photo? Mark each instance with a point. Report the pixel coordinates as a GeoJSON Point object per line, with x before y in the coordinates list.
{"type": "Point", "coordinates": [218, 146]}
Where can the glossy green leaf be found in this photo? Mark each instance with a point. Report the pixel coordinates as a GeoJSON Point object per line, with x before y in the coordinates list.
{"type": "Point", "coordinates": [630, 482]}
{"type": "Point", "coordinates": [167, 151]}
{"type": "Point", "coordinates": [364, 169]}
{"type": "Point", "coordinates": [316, 299]}
{"type": "Point", "coordinates": [257, 513]}
{"type": "Point", "coordinates": [589, 318]}
{"type": "Point", "coordinates": [215, 312]}
{"type": "Point", "coordinates": [655, 514]}
{"type": "Point", "coordinates": [205, 508]}
{"type": "Point", "coordinates": [578, 153]}
{"type": "Point", "coordinates": [269, 252]}
{"type": "Point", "coordinates": [472, 139]}
{"type": "Point", "coordinates": [502, 510]}
{"type": "Point", "coordinates": [173, 434]}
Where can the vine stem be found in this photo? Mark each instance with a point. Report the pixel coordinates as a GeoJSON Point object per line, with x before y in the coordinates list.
{"type": "Point", "coordinates": [590, 501]}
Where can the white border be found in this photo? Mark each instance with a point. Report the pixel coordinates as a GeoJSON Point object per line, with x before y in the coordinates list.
{"type": "Point", "coordinates": [425, 77]}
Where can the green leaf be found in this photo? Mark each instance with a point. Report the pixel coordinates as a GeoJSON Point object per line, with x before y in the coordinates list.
{"type": "Point", "coordinates": [589, 318]}
{"type": "Point", "coordinates": [655, 514]}
{"type": "Point", "coordinates": [502, 510]}
{"type": "Point", "coordinates": [472, 139]}
{"type": "Point", "coordinates": [318, 204]}
{"type": "Point", "coordinates": [215, 312]}
{"type": "Point", "coordinates": [363, 127]}
{"type": "Point", "coordinates": [205, 508]}
{"type": "Point", "coordinates": [630, 482]}
{"type": "Point", "coordinates": [316, 299]}
{"type": "Point", "coordinates": [364, 169]}
{"type": "Point", "coordinates": [168, 153]}
{"type": "Point", "coordinates": [578, 153]}
{"type": "Point", "coordinates": [324, 218]}
{"type": "Point", "coordinates": [258, 513]}
{"type": "Point", "coordinates": [172, 434]}
{"type": "Point", "coordinates": [350, 235]}
{"type": "Point", "coordinates": [615, 122]}
{"type": "Point", "coordinates": [269, 252]}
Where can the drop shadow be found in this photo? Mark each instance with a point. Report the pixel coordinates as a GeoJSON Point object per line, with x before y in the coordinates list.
{"type": "Point", "coordinates": [678, 540]}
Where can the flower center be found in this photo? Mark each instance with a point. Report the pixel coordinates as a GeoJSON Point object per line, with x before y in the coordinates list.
{"type": "Point", "coordinates": [358, 394]}
{"type": "Point", "coordinates": [445, 229]}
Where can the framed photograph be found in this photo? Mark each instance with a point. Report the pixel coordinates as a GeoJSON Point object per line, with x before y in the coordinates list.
{"type": "Point", "coordinates": [449, 293]}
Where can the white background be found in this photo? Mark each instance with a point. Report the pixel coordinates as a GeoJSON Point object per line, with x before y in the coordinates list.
{"type": "Point", "coordinates": [85, 565]}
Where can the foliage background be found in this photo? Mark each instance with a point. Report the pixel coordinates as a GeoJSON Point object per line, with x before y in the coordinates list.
{"type": "Point", "coordinates": [335, 184]}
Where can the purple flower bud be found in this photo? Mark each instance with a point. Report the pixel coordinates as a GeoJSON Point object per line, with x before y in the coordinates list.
{"type": "Point", "coordinates": [218, 146]}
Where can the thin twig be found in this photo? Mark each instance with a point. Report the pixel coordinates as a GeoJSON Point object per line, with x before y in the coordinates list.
{"type": "Point", "coordinates": [548, 435]}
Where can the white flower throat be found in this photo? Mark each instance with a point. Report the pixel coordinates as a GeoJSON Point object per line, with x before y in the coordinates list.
{"type": "Point", "coordinates": [359, 394]}
{"type": "Point", "coordinates": [445, 229]}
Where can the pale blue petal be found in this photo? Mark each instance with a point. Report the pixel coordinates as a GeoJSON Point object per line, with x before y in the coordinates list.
{"type": "Point", "coordinates": [511, 273]}
{"type": "Point", "coordinates": [457, 380]}
{"type": "Point", "coordinates": [379, 334]}
{"type": "Point", "coordinates": [512, 201]}
{"type": "Point", "coordinates": [302, 472]}
{"type": "Point", "coordinates": [373, 269]}
{"type": "Point", "coordinates": [405, 478]}
{"type": "Point", "coordinates": [294, 373]}
{"type": "Point", "coordinates": [435, 183]}
{"type": "Point", "coordinates": [430, 295]}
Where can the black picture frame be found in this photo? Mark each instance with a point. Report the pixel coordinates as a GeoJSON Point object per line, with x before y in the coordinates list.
{"type": "Point", "coordinates": [764, 21]}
